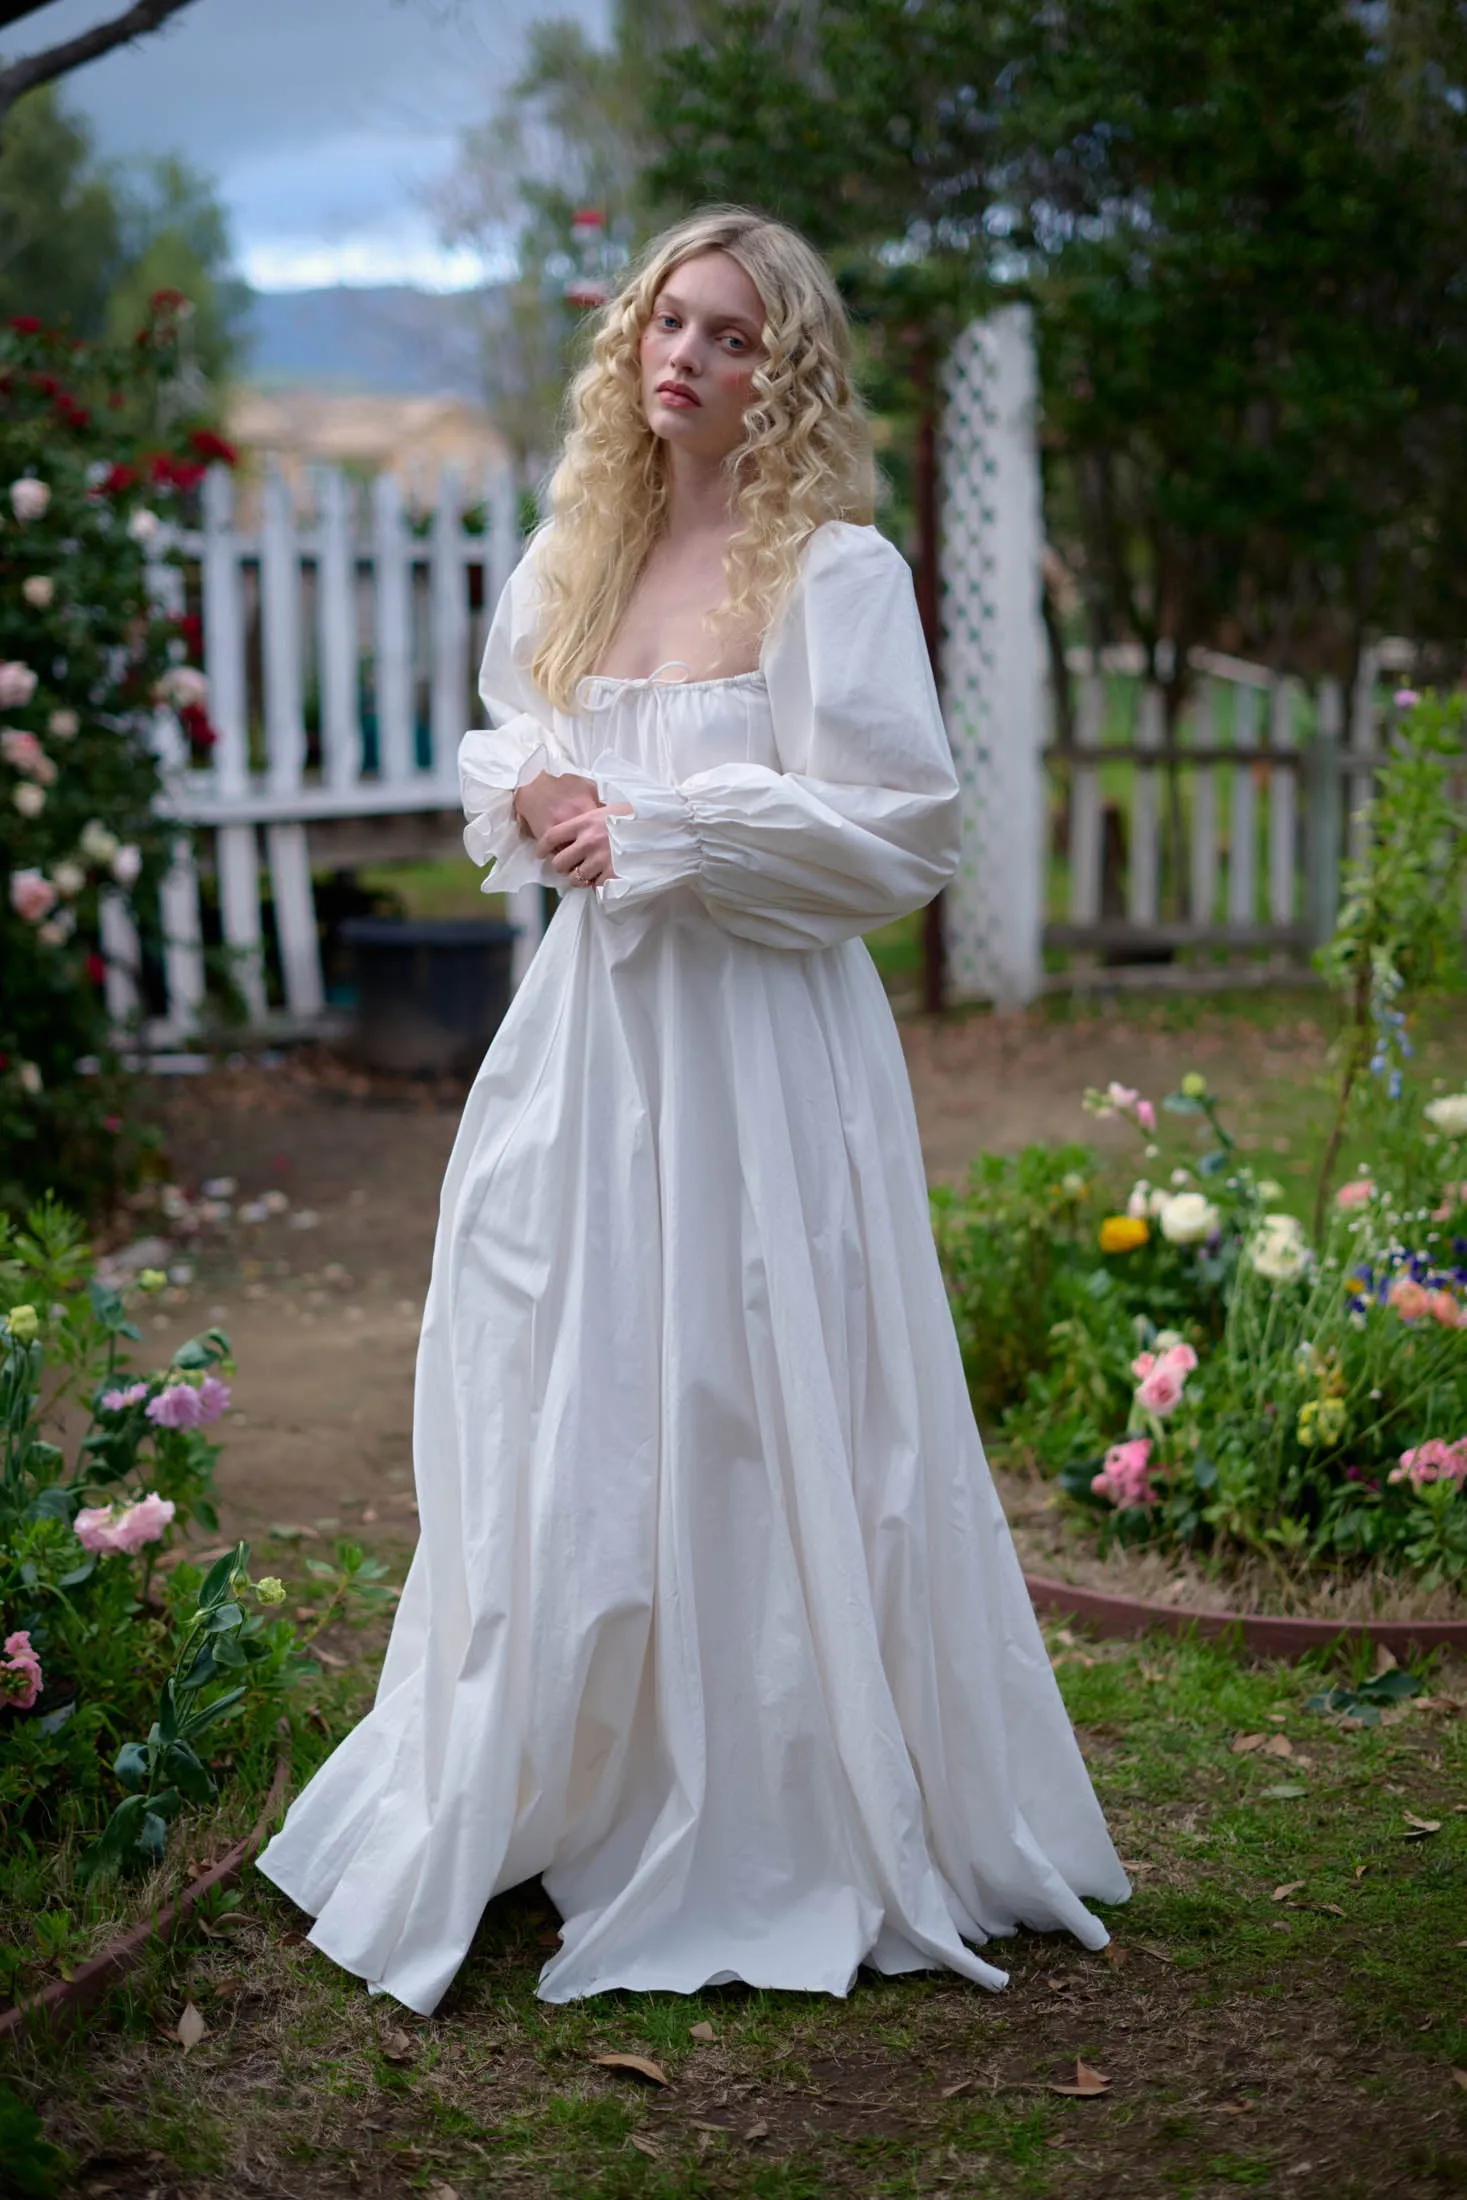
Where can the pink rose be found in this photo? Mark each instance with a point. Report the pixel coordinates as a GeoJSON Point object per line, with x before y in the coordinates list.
{"type": "Point", "coordinates": [1124, 1478]}
{"type": "Point", "coordinates": [20, 1675]}
{"type": "Point", "coordinates": [1146, 1115]}
{"type": "Point", "coordinates": [102, 1528]}
{"type": "Point", "coordinates": [1181, 1357]}
{"type": "Point", "coordinates": [1410, 1299]}
{"type": "Point", "coordinates": [1358, 1194]}
{"type": "Point", "coordinates": [118, 1401]}
{"type": "Point", "coordinates": [1143, 1363]}
{"type": "Point", "coordinates": [1123, 1097]}
{"type": "Point", "coordinates": [178, 1406]}
{"type": "Point", "coordinates": [1160, 1392]}
{"type": "Point", "coordinates": [21, 750]}
{"type": "Point", "coordinates": [1443, 1308]}
{"type": "Point", "coordinates": [17, 684]}
{"type": "Point", "coordinates": [32, 896]}
{"type": "Point", "coordinates": [1433, 1461]}
{"type": "Point", "coordinates": [142, 1523]}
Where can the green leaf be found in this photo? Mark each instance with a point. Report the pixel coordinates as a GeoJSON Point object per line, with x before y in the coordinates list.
{"type": "Point", "coordinates": [209, 1714]}
{"type": "Point", "coordinates": [1212, 1164]}
{"type": "Point", "coordinates": [1177, 1103]}
{"type": "Point", "coordinates": [215, 1586]}
{"type": "Point", "coordinates": [59, 1501]}
{"type": "Point", "coordinates": [223, 1619]}
{"type": "Point", "coordinates": [55, 1720]}
{"type": "Point", "coordinates": [1392, 1686]}
{"type": "Point", "coordinates": [186, 1770]}
{"type": "Point", "coordinates": [133, 1766]}
{"type": "Point", "coordinates": [106, 1305]}
{"type": "Point", "coordinates": [1099, 1284]}
{"type": "Point", "coordinates": [193, 1354]}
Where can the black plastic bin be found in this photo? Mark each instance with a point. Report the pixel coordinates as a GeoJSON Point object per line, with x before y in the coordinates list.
{"type": "Point", "coordinates": [430, 994]}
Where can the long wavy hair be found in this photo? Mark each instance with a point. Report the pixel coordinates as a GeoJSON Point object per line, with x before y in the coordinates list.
{"type": "Point", "coordinates": [805, 456]}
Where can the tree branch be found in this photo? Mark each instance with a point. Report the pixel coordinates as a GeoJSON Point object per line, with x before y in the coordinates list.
{"type": "Point", "coordinates": [44, 67]}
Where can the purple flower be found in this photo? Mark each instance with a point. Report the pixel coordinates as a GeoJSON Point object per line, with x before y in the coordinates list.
{"type": "Point", "coordinates": [118, 1401]}
{"type": "Point", "coordinates": [177, 1406]}
{"type": "Point", "coordinates": [213, 1398]}
{"type": "Point", "coordinates": [1406, 698]}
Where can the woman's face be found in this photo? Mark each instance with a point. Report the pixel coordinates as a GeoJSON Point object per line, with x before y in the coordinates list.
{"type": "Point", "coordinates": [699, 351]}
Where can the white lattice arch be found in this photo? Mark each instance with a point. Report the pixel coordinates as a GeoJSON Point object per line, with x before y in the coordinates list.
{"type": "Point", "coordinates": [993, 686]}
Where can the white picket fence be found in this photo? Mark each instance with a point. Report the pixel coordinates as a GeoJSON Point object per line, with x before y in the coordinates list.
{"type": "Point", "coordinates": [342, 642]}
{"type": "Point", "coordinates": [379, 625]}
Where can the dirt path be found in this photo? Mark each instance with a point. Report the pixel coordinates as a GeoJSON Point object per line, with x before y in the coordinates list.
{"type": "Point", "coordinates": [322, 1300]}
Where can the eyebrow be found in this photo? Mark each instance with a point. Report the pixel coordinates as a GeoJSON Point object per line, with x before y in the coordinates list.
{"type": "Point", "coordinates": [724, 320]}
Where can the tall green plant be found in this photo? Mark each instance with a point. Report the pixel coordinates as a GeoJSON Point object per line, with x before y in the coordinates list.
{"type": "Point", "coordinates": [1399, 935]}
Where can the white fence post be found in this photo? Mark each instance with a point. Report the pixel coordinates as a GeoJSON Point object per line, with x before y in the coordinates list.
{"type": "Point", "coordinates": [993, 657]}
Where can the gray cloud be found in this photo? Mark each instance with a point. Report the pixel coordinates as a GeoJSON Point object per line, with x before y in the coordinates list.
{"type": "Point", "coordinates": [325, 122]}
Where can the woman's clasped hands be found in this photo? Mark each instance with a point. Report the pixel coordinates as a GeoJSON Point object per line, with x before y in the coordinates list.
{"type": "Point", "coordinates": [567, 821]}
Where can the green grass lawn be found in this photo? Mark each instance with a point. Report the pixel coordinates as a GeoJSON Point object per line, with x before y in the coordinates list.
{"type": "Point", "coordinates": [1283, 2008]}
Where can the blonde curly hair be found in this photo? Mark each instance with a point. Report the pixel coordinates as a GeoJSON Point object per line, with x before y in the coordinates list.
{"type": "Point", "coordinates": [805, 455]}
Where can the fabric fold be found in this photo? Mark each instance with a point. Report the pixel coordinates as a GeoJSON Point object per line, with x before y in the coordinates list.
{"type": "Point", "coordinates": [492, 766]}
{"type": "Point", "coordinates": [653, 849]}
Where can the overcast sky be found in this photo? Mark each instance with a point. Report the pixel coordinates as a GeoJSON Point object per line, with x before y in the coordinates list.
{"type": "Point", "coordinates": [323, 122]}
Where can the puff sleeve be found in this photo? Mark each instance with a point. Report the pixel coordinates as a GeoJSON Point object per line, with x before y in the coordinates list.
{"type": "Point", "coordinates": [861, 823]}
{"type": "Point", "coordinates": [516, 747]}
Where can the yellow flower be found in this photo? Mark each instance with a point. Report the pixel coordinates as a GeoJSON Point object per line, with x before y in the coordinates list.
{"type": "Point", "coordinates": [1123, 1233]}
{"type": "Point", "coordinates": [152, 1279]}
{"type": "Point", "coordinates": [1194, 1085]}
{"type": "Point", "coordinates": [24, 1323]}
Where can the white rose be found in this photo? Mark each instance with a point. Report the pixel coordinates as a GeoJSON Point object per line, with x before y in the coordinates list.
{"type": "Point", "coordinates": [1187, 1218]}
{"type": "Point", "coordinates": [1157, 1199]}
{"type": "Point", "coordinates": [1136, 1204]}
{"type": "Point", "coordinates": [68, 878]}
{"type": "Point", "coordinates": [126, 865]}
{"type": "Point", "coordinates": [1278, 1248]}
{"type": "Point", "coordinates": [29, 497]}
{"type": "Point", "coordinates": [38, 591]}
{"type": "Point", "coordinates": [97, 844]}
{"type": "Point", "coordinates": [57, 930]}
{"type": "Point", "coordinates": [63, 725]}
{"type": "Point", "coordinates": [1449, 1114]}
{"type": "Point", "coordinates": [183, 685]}
{"type": "Point", "coordinates": [30, 1078]}
{"type": "Point", "coordinates": [143, 525]}
{"type": "Point", "coordinates": [29, 799]}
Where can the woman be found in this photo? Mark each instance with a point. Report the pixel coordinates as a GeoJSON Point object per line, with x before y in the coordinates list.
{"type": "Point", "coordinates": [715, 1621]}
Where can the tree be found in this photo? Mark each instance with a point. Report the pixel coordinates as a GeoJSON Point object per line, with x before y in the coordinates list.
{"type": "Point", "coordinates": [569, 138]}
{"type": "Point", "coordinates": [51, 62]}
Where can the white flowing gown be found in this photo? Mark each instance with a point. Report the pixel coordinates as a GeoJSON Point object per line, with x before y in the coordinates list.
{"type": "Point", "coordinates": [715, 1620]}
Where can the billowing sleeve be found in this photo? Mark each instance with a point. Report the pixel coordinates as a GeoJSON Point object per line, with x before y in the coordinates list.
{"type": "Point", "coordinates": [860, 824]}
{"type": "Point", "coordinates": [517, 745]}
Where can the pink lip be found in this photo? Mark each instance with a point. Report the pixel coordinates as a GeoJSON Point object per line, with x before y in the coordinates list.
{"type": "Point", "coordinates": [677, 393]}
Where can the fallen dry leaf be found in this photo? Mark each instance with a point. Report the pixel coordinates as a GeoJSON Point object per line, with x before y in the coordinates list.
{"type": "Point", "coordinates": [1087, 2083]}
{"type": "Point", "coordinates": [1283, 1791]}
{"type": "Point", "coordinates": [397, 2046]}
{"type": "Point", "coordinates": [1116, 1955]}
{"type": "Point", "coordinates": [1278, 1745]}
{"type": "Point", "coordinates": [701, 2032]}
{"type": "Point", "coordinates": [1419, 1828]}
{"type": "Point", "coordinates": [964, 2085]}
{"type": "Point", "coordinates": [1243, 1743]}
{"type": "Point", "coordinates": [756, 2132]}
{"type": "Point", "coordinates": [645, 2146]}
{"type": "Point", "coordinates": [641, 2066]}
{"type": "Point", "coordinates": [1333, 1908]}
{"type": "Point", "coordinates": [1384, 1659]}
{"type": "Point", "coordinates": [442, 2192]}
{"type": "Point", "coordinates": [1292, 1886]}
{"type": "Point", "coordinates": [1157, 1955]}
{"type": "Point", "coordinates": [190, 2028]}
{"type": "Point", "coordinates": [1459, 2077]}
{"type": "Point", "coordinates": [1361, 1870]}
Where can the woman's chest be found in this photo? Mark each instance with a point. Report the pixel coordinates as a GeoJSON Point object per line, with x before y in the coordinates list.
{"type": "Point", "coordinates": [673, 728]}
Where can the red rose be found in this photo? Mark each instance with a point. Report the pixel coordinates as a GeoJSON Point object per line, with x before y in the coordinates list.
{"type": "Point", "coordinates": [194, 720]}
{"type": "Point", "coordinates": [210, 445]}
{"type": "Point", "coordinates": [25, 324]}
{"type": "Point", "coordinates": [116, 479]}
{"type": "Point", "coordinates": [96, 968]}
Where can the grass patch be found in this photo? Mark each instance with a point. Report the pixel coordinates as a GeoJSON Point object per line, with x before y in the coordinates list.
{"type": "Point", "coordinates": [1255, 2039]}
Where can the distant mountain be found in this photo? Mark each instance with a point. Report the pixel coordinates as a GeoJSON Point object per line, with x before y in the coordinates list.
{"type": "Point", "coordinates": [394, 340]}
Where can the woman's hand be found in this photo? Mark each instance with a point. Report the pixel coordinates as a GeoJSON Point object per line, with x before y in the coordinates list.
{"type": "Point", "coordinates": [552, 796]}
{"type": "Point", "coordinates": [579, 846]}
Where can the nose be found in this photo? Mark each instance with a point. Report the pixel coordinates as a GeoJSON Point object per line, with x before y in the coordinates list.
{"type": "Point", "coordinates": [682, 357]}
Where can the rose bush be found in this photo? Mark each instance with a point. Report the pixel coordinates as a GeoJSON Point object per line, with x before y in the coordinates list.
{"type": "Point", "coordinates": [127, 1665]}
{"type": "Point", "coordinates": [100, 453]}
